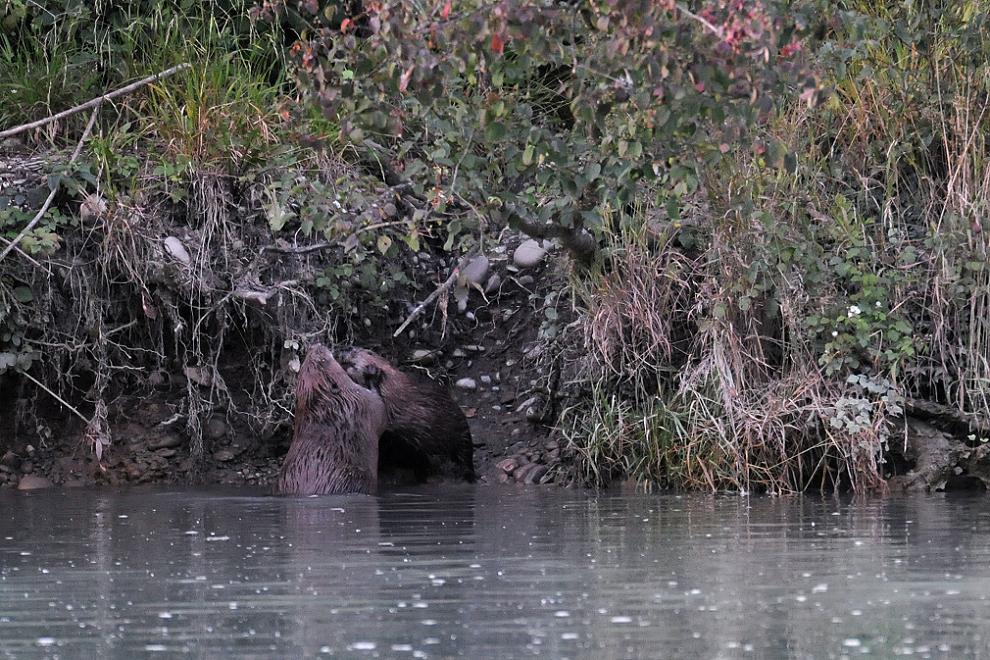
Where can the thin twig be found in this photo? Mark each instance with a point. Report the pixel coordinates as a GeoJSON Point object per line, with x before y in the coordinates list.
{"type": "Point", "coordinates": [436, 293]}
{"type": "Point", "coordinates": [316, 247]}
{"type": "Point", "coordinates": [55, 396]}
{"type": "Point", "coordinates": [51, 196]}
{"type": "Point", "coordinates": [95, 102]}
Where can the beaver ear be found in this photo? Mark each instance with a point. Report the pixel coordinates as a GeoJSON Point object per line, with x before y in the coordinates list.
{"type": "Point", "coordinates": [373, 377]}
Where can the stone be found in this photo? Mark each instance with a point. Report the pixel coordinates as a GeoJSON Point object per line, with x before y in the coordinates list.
{"type": "Point", "coordinates": [550, 445]}
{"type": "Point", "coordinates": [216, 428]}
{"type": "Point", "coordinates": [33, 482]}
{"type": "Point", "coordinates": [493, 283]}
{"type": "Point", "coordinates": [10, 459]}
{"type": "Point", "coordinates": [476, 270]}
{"type": "Point", "coordinates": [523, 471]}
{"type": "Point", "coordinates": [175, 248]}
{"type": "Point", "coordinates": [166, 453]}
{"type": "Point", "coordinates": [528, 254]}
{"type": "Point", "coordinates": [166, 441]}
{"type": "Point", "coordinates": [507, 465]}
{"type": "Point", "coordinates": [536, 474]}
{"type": "Point", "coordinates": [134, 471]}
{"type": "Point", "coordinates": [466, 384]}
{"type": "Point", "coordinates": [526, 404]}
{"type": "Point", "coordinates": [507, 398]}
{"type": "Point", "coordinates": [223, 456]}
{"type": "Point", "coordinates": [423, 356]}
{"type": "Point", "coordinates": [486, 379]}
{"type": "Point", "coordinates": [27, 467]}
{"type": "Point", "coordinates": [534, 413]}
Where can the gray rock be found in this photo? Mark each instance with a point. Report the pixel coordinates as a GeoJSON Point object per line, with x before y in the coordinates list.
{"type": "Point", "coordinates": [476, 270]}
{"type": "Point", "coordinates": [536, 474]}
{"type": "Point", "coordinates": [216, 428]}
{"type": "Point", "coordinates": [528, 254]}
{"type": "Point", "coordinates": [466, 384]}
{"type": "Point", "coordinates": [166, 441]}
{"type": "Point", "coordinates": [526, 404]}
{"type": "Point", "coordinates": [493, 283]}
{"type": "Point", "coordinates": [486, 379]}
{"type": "Point", "coordinates": [508, 465]}
{"type": "Point", "coordinates": [423, 356]}
{"type": "Point", "coordinates": [33, 482]}
{"type": "Point", "coordinates": [174, 247]}
{"type": "Point", "coordinates": [11, 459]}
{"type": "Point", "coordinates": [223, 456]}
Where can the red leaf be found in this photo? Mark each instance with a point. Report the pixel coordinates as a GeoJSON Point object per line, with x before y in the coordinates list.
{"type": "Point", "coordinates": [445, 12]}
{"type": "Point", "coordinates": [498, 43]}
{"type": "Point", "coordinates": [345, 24]}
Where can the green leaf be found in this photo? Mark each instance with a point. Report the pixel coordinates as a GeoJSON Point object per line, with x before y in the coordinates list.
{"type": "Point", "coordinates": [527, 157]}
{"type": "Point", "coordinates": [23, 294]}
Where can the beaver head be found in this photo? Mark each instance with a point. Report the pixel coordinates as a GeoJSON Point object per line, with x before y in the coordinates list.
{"type": "Point", "coordinates": [324, 386]}
{"type": "Point", "coordinates": [338, 424]}
{"type": "Point", "coordinates": [423, 419]}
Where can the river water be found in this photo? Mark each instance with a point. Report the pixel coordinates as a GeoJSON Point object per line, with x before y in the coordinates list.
{"type": "Point", "coordinates": [486, 572]}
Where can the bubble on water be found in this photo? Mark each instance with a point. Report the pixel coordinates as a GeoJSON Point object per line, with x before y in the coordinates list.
{"type": "Point", "coordinates": [569, 635]}
{"type": "Point", "coordinates": [217, 538]}
{"type": "Point", "coordinates": [155, 648]}
{"type": "Point", "coordinates": [164, 615]}
{"type": "Point", "coordinates": [402, 647]}
{"type": "Point", "coordinates": [852, 642]}
{"type": "Point", "coordinates": [621, 619]}
{"type": "Point", "coordinates": [438, 582]}
{"type": "Point", "coordinates": [363, 646]}
{"type": "Point", "coordinates": [192, 532]}
{"type": "Point", "coordinates": [562, 614]}
{"type": "Point", "coordinates": [820, 588]}
{"type": "Point", "coordinates": [122, 516]}
{"type": "Point", "coordinates": [25, 553]}
{"type": "Point", "coordinates": [857, 612]}
{"type": "Point", "coordinates": [46, 641]}
{"type": "Point", "coordinates": [429, 622]}
{"type": "Point", "coordinates": [801, 599]}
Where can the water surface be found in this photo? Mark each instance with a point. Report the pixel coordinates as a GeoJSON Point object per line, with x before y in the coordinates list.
{"type": "Point", "coordinates": [485, 572]}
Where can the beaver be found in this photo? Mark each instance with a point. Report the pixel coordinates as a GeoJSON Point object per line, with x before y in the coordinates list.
{"type": "Point", "coordinates": [426, 429]}
{"type": "Point", "coordinates": [338, 424]}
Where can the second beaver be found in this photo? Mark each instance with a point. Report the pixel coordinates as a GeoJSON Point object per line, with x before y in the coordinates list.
{"type": "Point", "coordinates": [426, 428]}
{"type": "Point", "coordinates": [338, 423]}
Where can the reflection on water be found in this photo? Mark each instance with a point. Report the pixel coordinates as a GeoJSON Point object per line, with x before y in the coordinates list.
{"type": "Point", "coordinates": [483, 572]}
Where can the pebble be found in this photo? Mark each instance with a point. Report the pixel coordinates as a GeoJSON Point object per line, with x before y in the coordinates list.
{"type": "Point", "coordinates": [166, 441]}
{"type": "Point", "coordinates": [466, 384]}
{"type": "Point", "coordinates": [507, 465]}
{"type": "Point", "coordinates": [27, 467]}
{"type": "Point", "coordinates": [166, 453]}
{"type": "Point", "coordinates": [528, 254]}
{"type": "Point", "coordinates": [526, 404]}
{"type": "Point", "coordinates": [223, 456]}
{"type": "Point", "coordinates": [423, 356]}
{"type": "Point", "coordinates": [215, 429]}
{"type": "Point", "coordinates": [476, 270]}
{"type": "Point", "coordinates": [493, 283]}
{"type": "Point", "coordinates": [33, 482]}
{"type": "Point", "coordinates": [526, 280]}
{"type": "Point", "coordinates": [536, 474]}
{"type": "Point", "coordinates": [11, 459]}
{"type": "Point", "coordinates": [175, 248]}
{"type": "Point", "coordinates": [507, 398]}
{"type": "Point", "coordinates": [486, 379]}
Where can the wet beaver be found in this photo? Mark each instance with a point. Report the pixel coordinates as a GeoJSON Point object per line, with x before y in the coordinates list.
{"type": "Point", "coordinates": [338, 424]}
{"type": "Point", "coordinates": [427, 431]}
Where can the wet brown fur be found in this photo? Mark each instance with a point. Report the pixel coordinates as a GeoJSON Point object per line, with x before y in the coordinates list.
{"type": "Point", "coordinates": [423, 420]}
{"type": "Point", "coordinates": [338, 424]}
